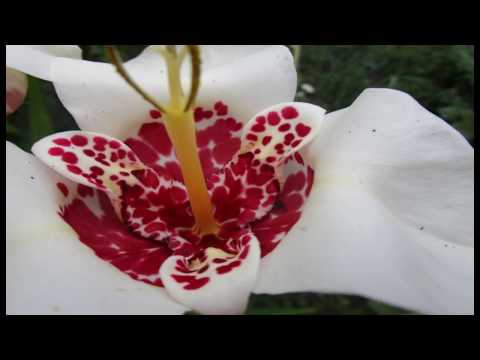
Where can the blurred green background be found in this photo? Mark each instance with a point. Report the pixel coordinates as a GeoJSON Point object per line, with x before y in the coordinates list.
{"type": "Point", "coordinates": [441, 78]}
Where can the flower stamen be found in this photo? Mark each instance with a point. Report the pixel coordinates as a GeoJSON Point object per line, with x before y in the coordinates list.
{"type": "Point", "coordinates": [180, 126]}
{"type": "Point", "coordinates": [118, 63]}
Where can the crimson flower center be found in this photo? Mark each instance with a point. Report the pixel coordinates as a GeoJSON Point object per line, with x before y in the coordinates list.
{"type": "Point", "coordinates": [152, 218]}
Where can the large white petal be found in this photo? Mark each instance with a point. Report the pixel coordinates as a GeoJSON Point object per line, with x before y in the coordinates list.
{"type": "Point", "coordinates": [48, 270]}
{"type": "Point", "coordinates": [35, 60]}
{"type": "Point", "coordinates": [246, 78]}
{"type": "Point", "coordinates": [413, 161]}
{"type": "Point", "coordinates": [391, 211]}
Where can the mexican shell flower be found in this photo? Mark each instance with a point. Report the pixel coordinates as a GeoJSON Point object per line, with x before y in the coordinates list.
{"type": "Point", "coordinates": [231, 189]}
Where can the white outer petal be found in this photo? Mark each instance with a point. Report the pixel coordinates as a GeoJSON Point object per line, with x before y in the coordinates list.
{"type": "Point", "coordinates": [417, 165]}
{"type": "Point", "coordinates": [247, 78]}
{"type": "Point", "coordinates": [36, 60]}
{"type": "Point", "coordinates": [346, 242]}
{"type": "Point", "coordinates": [48, 270]}
{"type": "Point", "coordinates": [391, 211]}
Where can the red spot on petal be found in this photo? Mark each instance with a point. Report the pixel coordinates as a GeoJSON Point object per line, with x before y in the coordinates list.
{"type": "Point", "coordinates": [62, 142]}
{"type": "Point", "coordinates": [155, 114]}
{"type": "Point", "coordinates": [310, 175]}
{"type": "Point", "coordinates": [79, 140]}
{"type": "Point", "coordinates": [89, 152]}
{"type": "Point", "coordinates": [121, 153]}
{"type": "Point", "coordinates": [96, 170]}
{"type": "Point", "coordinates": [260, 120]}
{"type": "Point", "coordinates": [252, 137]}
{"type": "Point", "coordinates": [74, 169]}
{"type": "Point", "coordinates": [221, 108]}
{"type": "Point", "coordinates": [56, 151]}
{"type": "Point", "coordinates": [296, 143]}
{"type": "Point", "coordinates": [70, 158]}
{"type": "Point", "coordinates": [299, 158]}
{"type": "Point", "coordinates": [266, 140]}
{"type": "Point", "coordinates": [100, 140]}
{"type": "Point", "coordinates": [289, 112]}
{"type": "Point", "coordinates": [198, 114]}
{"type": "Point", "coordinates": [302, 130]}
{"type": "Point", "coordinates": [284, 127]}
{"type": "Point", "coordinates": [114, 144]}
{"type": "Point", "coordinates": [63, 188]}
{"type": "Point", "coordinates": [191, 282]}
{"type": "Point", "coordinates": [258, 128]}
{"type": "Point", "coordinates": [238, 126]}
{"type": "Point", "coordinates": [273, 118]}
{"type": "Point", "coordinates": [287, 140]}
{"type": "Point", "coordinates": [229, 267]}
{"type": "Point", "coordinates": [84, 191]}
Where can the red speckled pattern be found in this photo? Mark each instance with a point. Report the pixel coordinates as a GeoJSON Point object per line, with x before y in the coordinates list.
{"type": "Point", "coordinates": [150, 218]}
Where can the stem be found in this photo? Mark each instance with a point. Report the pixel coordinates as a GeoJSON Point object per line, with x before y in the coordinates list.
{"type": "Point", "coordinates": [181, 129]}
{"type": "Point", "coordinates": [195, 85]}
{"type": "Point", "coordinates": [182, 132]}
{"type": "Point", "coordinates": [174, 84]}
{"type": "Point", "coordinates": [180, 125]}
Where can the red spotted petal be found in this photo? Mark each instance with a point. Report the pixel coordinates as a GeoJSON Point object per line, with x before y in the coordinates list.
{"type": "Point", "coordinates": [228, 276]}
{"type": "Point", "coordinates": [288, 206]}
{"type": "Point", "coordinates": [99, 228]}
{"type": "Point", "coordinates": [140, 195]}
{"type": "Point", "coordinates": [90, 159]}
{"type": "Point", "coordinates": [280, 131]}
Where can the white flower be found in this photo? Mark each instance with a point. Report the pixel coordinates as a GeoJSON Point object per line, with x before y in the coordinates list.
{"type": "Point", "coordinates": [389, 215]}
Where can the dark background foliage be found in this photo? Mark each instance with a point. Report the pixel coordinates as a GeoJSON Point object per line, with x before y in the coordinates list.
{"type": "Point", "coordinates": [441, 78]}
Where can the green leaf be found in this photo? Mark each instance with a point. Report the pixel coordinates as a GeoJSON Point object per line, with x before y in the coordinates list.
{"type": "Point", "coordinates": [284, 311]}
{"type": "Point", "coordinates": [10, 129]}
{"type": "Point", "coordinates": [40, 122]}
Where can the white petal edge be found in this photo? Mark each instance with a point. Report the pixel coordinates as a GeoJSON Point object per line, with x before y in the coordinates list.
{"type": "Point", "coordinates": [36, 60]}
{"type": "Point", "coordinates": [248, 79]}
{"type": "Point", "coordinates": [390, 215]}
{"type": "Point", "coordinates": [48, 270]}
